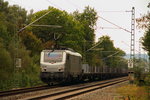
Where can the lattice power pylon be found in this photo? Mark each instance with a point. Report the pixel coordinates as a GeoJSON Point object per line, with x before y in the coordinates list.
{"type": "Point", "coordinates": [132, 48]}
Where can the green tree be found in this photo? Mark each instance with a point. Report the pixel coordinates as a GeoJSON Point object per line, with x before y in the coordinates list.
{"type": "Point", "coordinates": [16, 18]}
{"type": "Point", "coordinates": [14, 45]}
{"type": "Point", "coordinates": [144, 23]}
{"type": "Point", "coordinates": [146, 41]}
{"type": "Point", "coordinates": [12, 19]}
{"type": "Point", "coordinates": [31, 42]}
{"type": "Point", "coordinates": [110, 55]}
{"type": "Point", "coordinates": [69, 35]}
{"type": "Point", "coordinates": [88, 19]}
{"type": "Point", "coordinates": [4, 6]}
{"type": "Point", "coordinates": [6, 68]}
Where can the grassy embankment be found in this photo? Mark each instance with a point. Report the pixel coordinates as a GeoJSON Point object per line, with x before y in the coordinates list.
{"type": "Point", "coordinates": [134, 92]}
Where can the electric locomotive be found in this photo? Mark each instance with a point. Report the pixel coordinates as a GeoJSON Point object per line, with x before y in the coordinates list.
{"type": "Point", "coordinates": [60, 66]}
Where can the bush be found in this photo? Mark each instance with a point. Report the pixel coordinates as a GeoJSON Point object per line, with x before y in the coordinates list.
{"type": "Point", "coordinates": [6, 66]}
{"type": "Point", "coordinates": [147, 80]}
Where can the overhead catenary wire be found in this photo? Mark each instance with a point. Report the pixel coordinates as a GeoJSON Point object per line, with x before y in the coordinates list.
{"type": "Point", "coordinates": [111, 55]}
{"type": "Point", "coordinates": [38, 18]}
{"type": "Point", "coordinates": [94, 46]}
{"type": "Point", "coordinates": [118, 27]}
{"type": "Point", "coordinates": [114, 24]}
{"type": "Point", "coordinates": [108, 27]}
{"type": "Point", "coordinates": [54, 4]}
{"type": "Point", "coordinates": [136, 51]}
{"type": "Point", "coordinates": [129, 45]}
{"type": "Point", "coordinates": [107, 51]}
{"type": "Point", "coordinates": [113, 11]}
{"type": "Point", "coordinates": [75, 6]}
{"type": "Point", "coordinates": [34, 21]}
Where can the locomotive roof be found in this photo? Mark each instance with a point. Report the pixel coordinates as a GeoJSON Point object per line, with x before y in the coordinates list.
{"type": "Point", "coordinates": [67, 51]}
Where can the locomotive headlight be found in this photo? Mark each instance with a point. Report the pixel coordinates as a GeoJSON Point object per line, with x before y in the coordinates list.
{"type": "Point", "coordinates": [44, 68]}
{"type": "Point", "coordinates": [61, 68]}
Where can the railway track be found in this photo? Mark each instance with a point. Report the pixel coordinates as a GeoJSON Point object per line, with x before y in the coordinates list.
{"type": "Point", "coordinates": [57, 92]}
{"type": "Point", "coordinates": [74, 91]}
{"type": "Point", "coordinates": [23, 90]}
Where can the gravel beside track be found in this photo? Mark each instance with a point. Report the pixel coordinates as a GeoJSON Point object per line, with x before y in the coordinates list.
{"type": "Point", "coordinates": [107, 93]}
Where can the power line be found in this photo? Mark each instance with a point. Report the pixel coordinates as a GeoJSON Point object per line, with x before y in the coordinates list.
{"type": "Point", "coordinates": [115, 24]}
{"type": "Point", "coordinates": [108, 27]}
{"type": "Point", "coordinates": [129, 46]}
{"type": "Point", "coordinates": [94, 45]}
{"type": "Point", "coordinates": [54, 4]}
{"type": "Point", "coordinates": [114, 11]}
{"type": "Point", "coordinates": [33, 22]}
{"type": "Point", "coordinates": [111, 55]}
{"type": "Point", "coordinates": [76, 6]}
{"type": "Point", "coordinates": [107, 51]}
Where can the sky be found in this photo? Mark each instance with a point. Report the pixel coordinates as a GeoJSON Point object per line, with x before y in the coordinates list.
{"type": "Point", "coordinates": [115, 11]}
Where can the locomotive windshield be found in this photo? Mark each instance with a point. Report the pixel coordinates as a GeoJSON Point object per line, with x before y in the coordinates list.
{"type": "Point", "coordinates": [53, 57]}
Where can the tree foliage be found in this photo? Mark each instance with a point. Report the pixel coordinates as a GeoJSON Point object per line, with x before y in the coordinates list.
{"type": "Point", "coordinates": [144, 23]}
{"type": "Point", "coordinates": [6, 63]}
{"type": "Point", "coordinates": [110, 55]}
{"type": "Point", "coordinates": [146, 41]}
{"type": "Point", "coordinates": [88, 19]}
{"type": "Point", "coordinates": [12, 46]}
{"type": "Point", "coordinates": [70, 32]}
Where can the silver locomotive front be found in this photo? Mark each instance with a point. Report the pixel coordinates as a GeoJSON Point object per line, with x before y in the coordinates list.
{"type": "Point", "coordinates": [52, 65]}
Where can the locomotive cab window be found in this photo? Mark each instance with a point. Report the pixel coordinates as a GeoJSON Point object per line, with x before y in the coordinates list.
{"type": "Point", "coordinates": [53, 57]}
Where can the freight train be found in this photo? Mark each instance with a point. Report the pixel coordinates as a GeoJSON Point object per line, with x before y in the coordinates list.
{"type": "Point", "coordinates": [65, 65]}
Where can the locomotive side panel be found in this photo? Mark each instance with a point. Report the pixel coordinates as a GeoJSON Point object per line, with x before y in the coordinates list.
{"type": "Point", "coordinates": [73, 65]}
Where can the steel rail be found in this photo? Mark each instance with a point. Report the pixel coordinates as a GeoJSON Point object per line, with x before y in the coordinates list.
{"type": "Point", "coordinates": [78, 90]}
{"type": "Point", "coordinates": [88, 90]}
{"type": "Point", "coordinates": [22, 90]}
